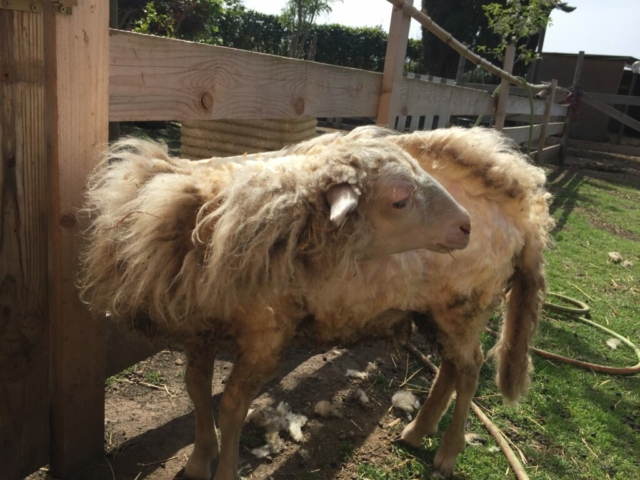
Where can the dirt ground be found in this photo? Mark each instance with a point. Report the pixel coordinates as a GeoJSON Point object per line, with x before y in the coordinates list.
{"type": "Point", "coordinates": [150, 428]}
{"type": "Point", "coordinates": [149, 419]}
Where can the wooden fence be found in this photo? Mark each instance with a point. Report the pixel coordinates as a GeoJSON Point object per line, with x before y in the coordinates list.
{"type": "Point", "coordinates": [63, 77]}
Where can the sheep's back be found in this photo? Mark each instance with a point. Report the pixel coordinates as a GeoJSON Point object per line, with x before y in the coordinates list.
{"type": "Point", "coordinates": [139, 256]}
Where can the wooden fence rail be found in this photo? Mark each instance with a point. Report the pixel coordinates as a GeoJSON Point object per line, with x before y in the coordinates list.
{"type": "Point", "coordinates": [153, 78]}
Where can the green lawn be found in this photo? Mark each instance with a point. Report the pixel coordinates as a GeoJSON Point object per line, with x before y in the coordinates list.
{"type": "Point", "coordinates": [574, 424]}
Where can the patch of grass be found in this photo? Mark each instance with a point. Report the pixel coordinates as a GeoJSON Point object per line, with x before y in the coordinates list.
{"type": "Point", "coordinates": [119, 376]}
{"type": "Point", "coordinates": [153, 377]}
{"type": "Point", "coordinates": [381, 383]}
{"type": "Point", "coordinates": [574, 423]}
{"type": "Point", "coordinates": [346, 451]}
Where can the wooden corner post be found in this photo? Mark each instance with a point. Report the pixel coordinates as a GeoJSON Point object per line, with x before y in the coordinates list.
{"type": "Point", "coordinates": [503, 98]}
{"type": "Point", "coordinates": [569, 120]}
{"type": "Point", "coordinates": [388, 105]}
{"type": "Point", "coordinates": [545, 119]}
{"type": "Point", "coordinates": [24, 325]}
{"type": "Point", "coordinates": [76, 102]}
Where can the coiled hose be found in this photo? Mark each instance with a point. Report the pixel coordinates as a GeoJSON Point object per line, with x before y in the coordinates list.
{"type": "Point", "coordinates": [578, 312]}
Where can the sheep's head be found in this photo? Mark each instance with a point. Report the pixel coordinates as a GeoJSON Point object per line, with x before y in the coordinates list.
{"type": "Point", "coordinates": [407, 208]}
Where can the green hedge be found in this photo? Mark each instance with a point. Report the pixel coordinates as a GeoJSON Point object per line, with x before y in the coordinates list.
{"type": "Point", "coordinates": [229, 24]}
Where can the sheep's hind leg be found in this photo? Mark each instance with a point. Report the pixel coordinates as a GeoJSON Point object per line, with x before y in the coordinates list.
{"type": "Point", "coordinates": [198, 377]}
{"type": "Point", "coordinates": [453, 443]}
{"type": "Point", "coordinates": [426, 422]}
{"type": "Point", "coordinates": [242, 386]}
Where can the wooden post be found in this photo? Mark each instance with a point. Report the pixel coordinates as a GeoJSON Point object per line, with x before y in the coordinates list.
{"type": "Point", "coordinates": [461, 63]}
{"type": "Point", "coordinates": [545, 119]}
{"type": "Point", "coordinates": [77, 101]}
{"type": "Point", "coordinates": [415, 119]}
{"type": "Point", "coordinates": [503, 98]}
{"type": "Point", "coordinates": [24, 325]}
{"type": "Point", "coordinates": [569, 120]}
{"type": "Point", "coordinates": [632, 88]}
{"type": "Point", "coordinates": [114, 127]}
{"type": "Point", "coordinates": [393, 66]}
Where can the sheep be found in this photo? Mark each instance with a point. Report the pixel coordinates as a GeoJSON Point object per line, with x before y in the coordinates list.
{"type": "Point", "coordinates": [452, 298]}
{"type": "Point", "coordinates": [216, 254]}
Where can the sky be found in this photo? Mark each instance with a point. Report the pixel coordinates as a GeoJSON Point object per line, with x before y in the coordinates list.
{"type": "Point", "coordinates": [604, 27]}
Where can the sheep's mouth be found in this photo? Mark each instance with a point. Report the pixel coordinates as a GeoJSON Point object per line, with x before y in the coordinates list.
{"type": "Point", "coordinates": [459, 245]}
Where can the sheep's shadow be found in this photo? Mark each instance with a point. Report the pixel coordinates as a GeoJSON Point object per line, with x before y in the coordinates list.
{"type": "Point", "coordinates": [565, 184]}
{"type": "Point", "coordinates": [329, 442]}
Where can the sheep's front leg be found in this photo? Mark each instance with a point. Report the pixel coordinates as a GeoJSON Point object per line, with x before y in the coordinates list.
{"type": "Point", "coordinates": [453, 443]}
{"type": "Point", "coordinates": [426, 422]}
{"type": "Point", "coordinates": [242, 386]}
{"type": "Point", "coordinates": [198, 377]}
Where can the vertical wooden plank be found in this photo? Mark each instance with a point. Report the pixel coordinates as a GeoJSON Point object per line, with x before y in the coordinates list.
{"type": "Point", "coordinates": [501, 109]}
{"type": "Point", "coordinates": [76, 95]}
{"type": "Point", "coordinates": [393, 67]}
{"type": "Point", "coordinates": [569, 120]}
{"type": "Point", "coordinates": [545, 119]}
{"type": "Point", "coordinates": [632, 88]}
{"type": "Point", "coordinates": [24, 323]}
{"type": "Point", "coordinates": [460, 71]}
{"type": "Point", "coordinates": [443, 118]}
{"type": "Point", "coordinates": [401, 120]}
{"type": "Point", "coordinates": [415, 119]}
{"type": "Point", "coordinates": [114, 127]}
{"type": "Point", "coordinates": [428, 119]}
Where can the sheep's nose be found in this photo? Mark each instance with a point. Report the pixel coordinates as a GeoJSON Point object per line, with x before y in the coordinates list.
{"type": "Point", "coordinates": [466, 227]}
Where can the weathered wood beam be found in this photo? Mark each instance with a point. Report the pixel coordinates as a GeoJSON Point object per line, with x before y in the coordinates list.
{"type": "Point", "coordinates": [521, 134]}
{"type": "Point", "coordinates": [153, 78]}
{"type": "Point", "coordinates": [77, 101]}
{"type": "Point", "coordinates": [24, 327]}
{"type": "Point", "coordinates": [388, 106]}
{"type": "Point", "coordinates": [612, 112]}
{"type": "Point", "coordinates": [545, 119]}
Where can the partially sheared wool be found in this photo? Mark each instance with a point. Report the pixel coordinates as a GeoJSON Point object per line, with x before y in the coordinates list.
{"type": "Point", "coordinates": [405, 401]}
{"type": "Point", "coordinates": [274, 420]}
{"type": "Point", "coordinates": [325, 408]}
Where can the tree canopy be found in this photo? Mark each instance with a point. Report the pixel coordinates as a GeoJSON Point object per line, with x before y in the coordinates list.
{"type": "Point", "coordinates": [230, 24]}
{"type": "Point", "coordinates": [487, 27]}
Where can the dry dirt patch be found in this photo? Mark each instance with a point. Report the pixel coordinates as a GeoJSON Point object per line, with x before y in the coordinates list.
{"type": "Point", "coordinates": [150, 426]}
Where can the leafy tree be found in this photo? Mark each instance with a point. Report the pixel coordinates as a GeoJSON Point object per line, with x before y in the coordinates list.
{"type": "Point", "coordinates": [298, 17]}
{"type": "Point", "coordinates": [520, 23]}
{"type": "Point", "coordinates": [466, 21]}
{"type": "Point", "coordinates": [185, 19]}
{"type": "Point", "coordinates": [251, 30]}
{"type": "Point", "coordinates": [485, 26]}
{"type": "Point", "coordinates": [231, 25]}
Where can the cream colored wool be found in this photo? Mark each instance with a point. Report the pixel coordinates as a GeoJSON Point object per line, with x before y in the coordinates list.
{"type": "Point", "coordinates": [451, 297]}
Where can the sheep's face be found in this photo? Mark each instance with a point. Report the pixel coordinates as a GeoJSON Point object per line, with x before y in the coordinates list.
{"type": "Point", "coordinates": [410, 210]}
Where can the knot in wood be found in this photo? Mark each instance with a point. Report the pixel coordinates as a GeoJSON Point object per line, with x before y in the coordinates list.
{"type": "Point", "coordinates": [299, 106]}
{"type": "Point", "coordinates": [207, 100]}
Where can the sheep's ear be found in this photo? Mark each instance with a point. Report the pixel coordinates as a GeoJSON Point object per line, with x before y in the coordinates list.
{"type": "Point", "coordinates": [342, 199]}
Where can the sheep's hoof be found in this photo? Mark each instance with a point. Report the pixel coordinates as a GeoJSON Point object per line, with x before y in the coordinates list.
{"type": "Point", "coordinates": [197, 470]}
{"type": "Point", "coordinates": [443, 464]}
{"type": "Point", "coordinates": [410, 436]}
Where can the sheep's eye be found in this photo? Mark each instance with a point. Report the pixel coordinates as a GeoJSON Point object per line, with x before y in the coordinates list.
{"type": "Point", "coordinates": [401, 203]}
